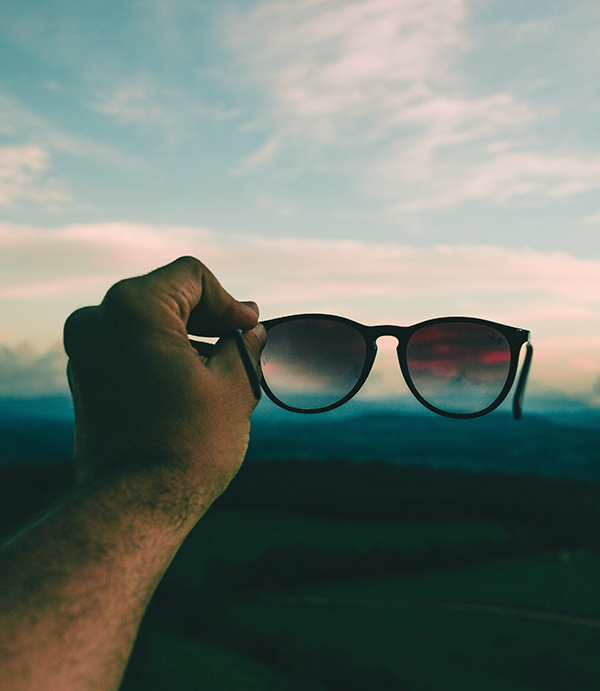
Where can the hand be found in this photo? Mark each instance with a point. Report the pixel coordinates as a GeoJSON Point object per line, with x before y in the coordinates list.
{"type": "Point", "coordinates": [147, 405]}
{"type": "Point", "coordinates": [160, 432]}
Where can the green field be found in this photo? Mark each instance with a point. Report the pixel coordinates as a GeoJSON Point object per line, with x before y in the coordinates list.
{"type": "Point", "coordinates": [342, 577]}
{"type": "Point", "coordinates": [432, 648]}
{"type": "Point", "coordinates": [243, 534]}
{"type": "Point", "coordinates": [559, 582]}
{"type": "Point", "coordinates": [173, 662]}
{"type": "Point", "coordinates": [513, 624]}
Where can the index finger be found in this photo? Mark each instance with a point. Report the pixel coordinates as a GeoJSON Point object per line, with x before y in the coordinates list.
{"type": "Point", "coordinates": [200, 301]}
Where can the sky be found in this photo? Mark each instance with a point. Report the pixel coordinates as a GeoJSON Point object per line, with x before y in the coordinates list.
{"type": "Point", "coordinates": [387, 160]}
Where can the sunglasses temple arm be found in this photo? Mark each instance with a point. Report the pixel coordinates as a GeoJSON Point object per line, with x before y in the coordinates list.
{"type": "Point", "coordinates": [520, 390]}
{"type": "Point", "coordinates": [248, 365]}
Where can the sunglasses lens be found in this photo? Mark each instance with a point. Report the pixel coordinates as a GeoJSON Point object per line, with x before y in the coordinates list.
{"type": "Point", "coordinates": [310, 364]}
{"type": "Point", "coordinates": [458, 367]}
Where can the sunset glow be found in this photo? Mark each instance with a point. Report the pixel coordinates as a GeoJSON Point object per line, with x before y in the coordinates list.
{"type": "Point", "coordinates": [389, 161]}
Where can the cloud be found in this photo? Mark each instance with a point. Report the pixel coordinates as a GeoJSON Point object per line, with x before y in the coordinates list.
{"type": "Point", "coordinates": [328, 65]}
{"type": "Point", "coordinates": [276, 205]}
{"type": "Point", "coordinates": [20, 124]}
{"type": "Point", "coordinates": [137, 99]}
{"type": "Point", "coordinates": [264, 154]}
{"type": "Point", "coordinates": [25, 372]}
{"type": "Point", "coordinates": [384, 87]}
{"type": "Point", "coordinates": [22, 176]}
{"type": "Point", "coordinates": [80, 259]}
{"type": "Point", "coordinates": [289, 272]}
{"type": "Point", "coordinates": [510, 176]}
{"type": "Point", "coordinates": [555, 295]}
{"type": "Point", "coordinates": [18, 168]}
{"type": "Point", "coordinates": [142, 99]}
{"type": "Point", "coordinates": [568, 362]}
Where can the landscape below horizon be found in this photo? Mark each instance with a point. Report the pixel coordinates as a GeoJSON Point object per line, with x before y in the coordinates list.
{"type": "Point", "coordinates": [545, 444]}
{"type": "Point", "coordinates": [374, 549]}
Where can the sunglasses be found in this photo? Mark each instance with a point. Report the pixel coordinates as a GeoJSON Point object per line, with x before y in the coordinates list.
{"type": "Point", "coordinates": [459, 367]}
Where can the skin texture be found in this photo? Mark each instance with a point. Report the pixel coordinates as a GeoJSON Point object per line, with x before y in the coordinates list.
{"type": "Point", "coordinates": [160, 433]}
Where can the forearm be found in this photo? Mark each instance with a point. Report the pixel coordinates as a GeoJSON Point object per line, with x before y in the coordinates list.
{"type": "Point", "coordinates": [74, 586]}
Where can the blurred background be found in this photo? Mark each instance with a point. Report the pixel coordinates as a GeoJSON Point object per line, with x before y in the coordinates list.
{"type": "Point", "coordinates": [390, 161]}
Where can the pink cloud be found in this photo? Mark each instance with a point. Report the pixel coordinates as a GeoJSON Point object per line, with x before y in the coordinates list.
{"type": "Point", "coordinates": [554, 294]}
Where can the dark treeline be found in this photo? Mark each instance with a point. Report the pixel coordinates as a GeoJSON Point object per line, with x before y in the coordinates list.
{"type": "Point", "coordinates": [537, 514]}
{"type": "Point", "coordinates": [567, 510]}
{"type": "Point", "coordinates": [303, 564]}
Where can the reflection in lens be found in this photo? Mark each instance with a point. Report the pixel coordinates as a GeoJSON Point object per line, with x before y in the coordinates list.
{"type": "Point", "coordinates": [458, 367]}
{"type": "Point", "coordinates": [312, 363]}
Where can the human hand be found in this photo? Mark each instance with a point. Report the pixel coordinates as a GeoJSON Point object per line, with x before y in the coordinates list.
{"type": "Point", "coordinates": [147, 405]}
{"type": "Point", "coordinates": [160, 432]}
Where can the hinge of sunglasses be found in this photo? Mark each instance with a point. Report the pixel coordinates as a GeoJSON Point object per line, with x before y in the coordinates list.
{"type": "Point", "coordinates": [520, 390]}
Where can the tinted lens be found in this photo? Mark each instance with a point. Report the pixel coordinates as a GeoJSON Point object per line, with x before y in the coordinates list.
{"type": "Point", "coordinates": [312, 363]}
{"type": "Point", "coordinates": [458, 367]}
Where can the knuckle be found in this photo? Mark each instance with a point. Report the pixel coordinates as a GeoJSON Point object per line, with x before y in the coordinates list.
{"type": "Point", "coordinates": [123, 299]}
{"type": "Point", "coordinates": [78, 329]}
{"type": "Point", "coordinates": [122, 292]}
{"type": "Point", "coordinates": [189, 259]}
{"type": "Point", "coordinates": [192, 264]}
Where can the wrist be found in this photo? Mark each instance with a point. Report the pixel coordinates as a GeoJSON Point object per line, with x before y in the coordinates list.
{"type": "Point", "coordinates": [156, 490]}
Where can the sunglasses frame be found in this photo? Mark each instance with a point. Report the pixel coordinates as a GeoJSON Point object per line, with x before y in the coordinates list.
{"type": "Point", "coordinates": [515, 338]}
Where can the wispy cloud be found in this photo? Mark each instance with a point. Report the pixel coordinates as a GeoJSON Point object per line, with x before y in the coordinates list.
{"type": "Point", "coordinates": [301, 270]}
{"type": "Point", "coordinates": [137, 99]}
{"type": "Point", "coordinates": [400, 106]}
{"type": "Point", "coordinates": [142, 99]}
{"type": "Point", "coordinates": [19, 168]}
{"type": "Point", "coordinates": [264, 154]}
{"type": "Point", "coordinates": [515, 176]}
{"type": "Point", "coordinates": [22, 126]}
{"type": "Point", "coordinates": [292, 269]}
{"type": "Point", "coordinates": [555, 295]}
{"type": "Point", "coordinates": [592, 219]}
{"type": "Point", "coordinates": [33, 170]}
{"type": "Point", "coordinates": [335, 69]}
{"type": "Point", "coordinates": [387, 80]}
{"type": "Point", "coordinates": [23, 177]}
{"type": "Point", "coordinates": [276, 205]}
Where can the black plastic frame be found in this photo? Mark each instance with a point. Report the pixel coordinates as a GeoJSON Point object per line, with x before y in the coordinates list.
{"type": "Point", "coordinates": [515, 337]}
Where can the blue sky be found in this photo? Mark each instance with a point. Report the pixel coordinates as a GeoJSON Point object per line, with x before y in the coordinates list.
{"type": "Point", "coordinates": [389, 160]}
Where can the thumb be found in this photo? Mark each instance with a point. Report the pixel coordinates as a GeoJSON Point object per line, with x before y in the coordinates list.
{"type": "Point", "coordinates": [237, 359]}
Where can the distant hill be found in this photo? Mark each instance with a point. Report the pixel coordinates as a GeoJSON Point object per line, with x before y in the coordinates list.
{"type": "Point", "coordinates": [41, 430]}
{"type": "Point", "coordinates": [496, 442]}
{"type": "Point", "coordinates": [36, 430]}
{"type": "Point", "coordinates": [35, 440]}
{"type": "Point", "coordinates": [59, 407]}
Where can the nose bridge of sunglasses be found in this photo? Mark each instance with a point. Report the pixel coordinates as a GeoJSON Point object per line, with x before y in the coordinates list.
{"type": "Point", "coordinates": [385, 379]}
